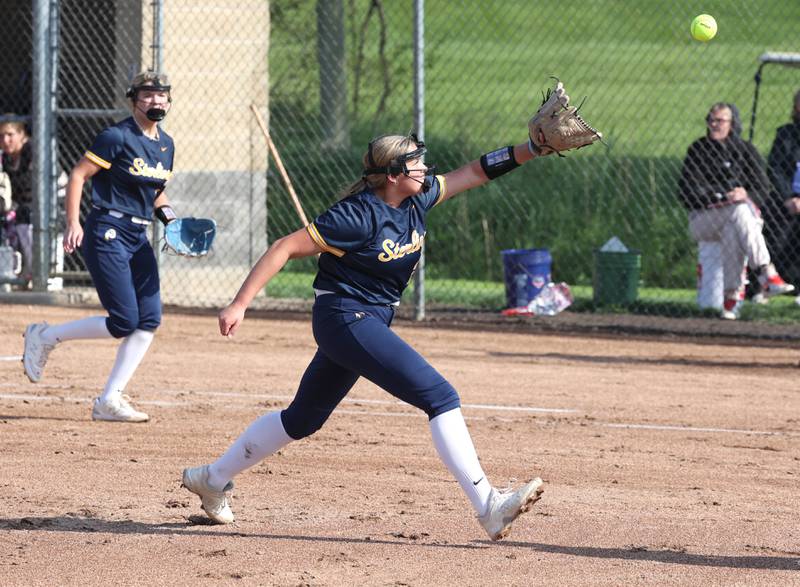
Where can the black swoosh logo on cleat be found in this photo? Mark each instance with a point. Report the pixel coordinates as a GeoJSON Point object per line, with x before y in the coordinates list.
{"type": "Point", "coordinates": [478, 481]}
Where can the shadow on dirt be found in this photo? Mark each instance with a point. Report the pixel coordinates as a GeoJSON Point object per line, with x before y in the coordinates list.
{"type": "Point", "coordinates": [195, 525]}
{"type": "Point", "coordinates": [538, 357]}
{"type": "Point", "coordinates": [677, 557]}
{"type": "Point", "coordinates": [29, 417]}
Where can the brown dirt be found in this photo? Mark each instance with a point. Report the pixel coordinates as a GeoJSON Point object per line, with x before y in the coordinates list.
{"type": "Point", "coordinates": [679, 464]}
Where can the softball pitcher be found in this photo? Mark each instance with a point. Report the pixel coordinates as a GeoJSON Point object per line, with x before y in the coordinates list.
{"type": "Point", "coordinates": [370, 243]}
{"type": "Point", "coordinates": [129, 164]}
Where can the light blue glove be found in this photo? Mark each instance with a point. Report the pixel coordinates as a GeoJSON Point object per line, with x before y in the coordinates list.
{"type": "Point", "coordinates": [190, 237]}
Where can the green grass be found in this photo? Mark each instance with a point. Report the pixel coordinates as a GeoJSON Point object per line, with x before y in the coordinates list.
{"type": "Point", "coordinates": [481, 296]}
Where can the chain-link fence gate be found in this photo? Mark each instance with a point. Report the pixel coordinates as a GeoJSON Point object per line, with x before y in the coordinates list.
{"type": "Point", "coordinates": [327, 76]}
{"type": "Point", "coordinates": [217, 60]}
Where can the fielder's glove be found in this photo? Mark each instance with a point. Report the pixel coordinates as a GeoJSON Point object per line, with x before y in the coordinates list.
{"type": "Point", "coordinates": [556, 127]}
{"type": "Point", "coordinates": [190, 237]}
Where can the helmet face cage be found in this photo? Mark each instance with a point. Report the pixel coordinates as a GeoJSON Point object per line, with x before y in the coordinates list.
{"type": "Point", "coordinates": [149, 80]}
{"type": "Point", "coordinates": [398, 164]}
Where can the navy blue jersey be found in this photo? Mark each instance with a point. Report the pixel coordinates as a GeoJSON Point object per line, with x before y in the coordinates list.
{"type": "Point", "coordinates": [370, 248]}
{"type": "Point", "coordinates": [135, 168]}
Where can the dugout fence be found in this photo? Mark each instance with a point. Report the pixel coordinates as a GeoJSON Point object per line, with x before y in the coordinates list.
{"type": "Point", "coordinates": [326, 76]}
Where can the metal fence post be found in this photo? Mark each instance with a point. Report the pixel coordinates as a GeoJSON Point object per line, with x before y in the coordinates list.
{"type": "Point", "coordinates": [419, 125]}
{"type": "Point", "coordinates": [53, 251]}
{"type": "Point", "coordinates": [157, 65]}
{"type": "Point", "coordinates": [42, 134]}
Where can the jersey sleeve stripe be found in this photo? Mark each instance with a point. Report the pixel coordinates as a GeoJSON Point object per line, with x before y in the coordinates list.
{"type": "Point", "coordinates": [317, 238]}
{"type": "Point", "coordinates": [97, 160]}
{"type": "Point", "coordinates": [442, 190]}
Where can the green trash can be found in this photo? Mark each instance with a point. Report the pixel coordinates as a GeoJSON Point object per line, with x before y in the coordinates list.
{"type": "Point", "coordinates": [616, 277]}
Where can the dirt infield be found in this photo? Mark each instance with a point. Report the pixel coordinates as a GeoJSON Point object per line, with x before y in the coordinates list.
{"type": "Point", "coordinates": [665, 462]}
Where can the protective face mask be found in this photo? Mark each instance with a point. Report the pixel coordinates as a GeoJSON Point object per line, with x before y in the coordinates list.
{"type": "Point", "coordinates": [156, 114]}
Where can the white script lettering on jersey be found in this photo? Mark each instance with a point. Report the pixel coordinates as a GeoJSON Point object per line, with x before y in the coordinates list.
{"type": "Point", "coordinates": [139, 167]}
{"type": "Point", "coordinates": [393, 250]}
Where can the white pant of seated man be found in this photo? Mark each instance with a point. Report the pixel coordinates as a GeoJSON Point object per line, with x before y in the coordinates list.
{"type": "Point", "coordinates": [739, 231]}
{"type": "Point", "coordinates": [737, 227]}
{"type": "Point", "coordinates": [710, 281]}
{"type": "Point", "coordinates": [709, 275]}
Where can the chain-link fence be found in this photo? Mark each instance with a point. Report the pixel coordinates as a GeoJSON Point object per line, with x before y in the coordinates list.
{"type": "Point", "coordinates": [15, 108]}
{"type": "Point", "coordinates": [649, 88]}
{"type": "Point", "coordinates": [327, 76]}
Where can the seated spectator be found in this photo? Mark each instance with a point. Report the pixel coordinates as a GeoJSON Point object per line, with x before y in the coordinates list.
{"type": "Point", "coordinates": [721, 184]}
{"type": "Point", "coordinates": [784, 171]}
{"type": "Point", "coordinates": [5, 203]}
{"type": "Point", "coordinates": [17, 160]}
{"type": "Point", "coordinates": [5, 191]}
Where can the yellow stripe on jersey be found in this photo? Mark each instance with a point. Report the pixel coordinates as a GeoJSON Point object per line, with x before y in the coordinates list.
{"type": "Point", "coordinates": [97, 160]}
{"type": "Point", "coordinates": [317, 238]}
{"type": "Point", "coordinates": [442, 189]}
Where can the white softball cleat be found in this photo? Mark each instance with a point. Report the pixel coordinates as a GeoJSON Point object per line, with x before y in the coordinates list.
{"type": "Point", "coordinates": [36, 352]}
{"type": "Point", "coordinates": [216, 504]}
{"type": "Point", "coordinates": [118, 409]}
{"type": "Point", "coordinates": [506, 506]}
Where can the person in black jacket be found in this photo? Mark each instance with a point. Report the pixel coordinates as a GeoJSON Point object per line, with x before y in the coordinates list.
{"type": "Point", "coordinates": [17, 164]}
{"type": "Point", "coordinates": [722, 185]}
{"type": "Point", "coordinates": [784, 171]}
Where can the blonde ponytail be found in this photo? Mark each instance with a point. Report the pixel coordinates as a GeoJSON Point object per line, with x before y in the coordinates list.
{"type": "Point", "coordinates": [384, 151]}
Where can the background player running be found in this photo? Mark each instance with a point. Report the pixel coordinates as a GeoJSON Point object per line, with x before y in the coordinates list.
{"type": "Point", "coordinates": [129, 164]}
{"type": "Point", "coordinates": [370, 244]}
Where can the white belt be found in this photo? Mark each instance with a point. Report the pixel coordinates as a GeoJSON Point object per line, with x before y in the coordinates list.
{"type": "Point", "coordinates": [324, 292]}
{"type": "Point", "coordinates": [116, 214]}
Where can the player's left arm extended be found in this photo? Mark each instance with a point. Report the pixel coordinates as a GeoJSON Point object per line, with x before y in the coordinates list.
{"type": "Point", "coordinates": [489, 166]}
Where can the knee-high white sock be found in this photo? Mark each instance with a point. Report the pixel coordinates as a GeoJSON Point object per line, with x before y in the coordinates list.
{"type": "Point", "coordinates": [454, 445]}
{"type": "Point", "coordinates": [92, 327]}
{"type": "Point", "coordinates": [262, 438]}
{"type": "Point", "coordinates": [130, 353]}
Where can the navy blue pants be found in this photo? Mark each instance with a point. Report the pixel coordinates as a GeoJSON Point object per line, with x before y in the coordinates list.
{"type": "Point", "coordinates": [124, 270]}
{"type": "Point", "coordinates": [355, 341]}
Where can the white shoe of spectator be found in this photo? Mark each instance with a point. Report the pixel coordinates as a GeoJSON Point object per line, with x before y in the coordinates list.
{"type": "Point", "coordinates": [731, 308]}
{"type": "Point", "coordinates": [773, 284]}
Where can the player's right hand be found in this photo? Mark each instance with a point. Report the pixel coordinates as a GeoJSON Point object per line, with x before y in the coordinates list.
{"type": "Point", "coordinates": [230, 318]}
{"type": "Point", "coordinates": [73, 237]}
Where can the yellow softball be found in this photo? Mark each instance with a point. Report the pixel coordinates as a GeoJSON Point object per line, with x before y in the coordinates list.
{"type": "Point", "coordinates": [704, 27]}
